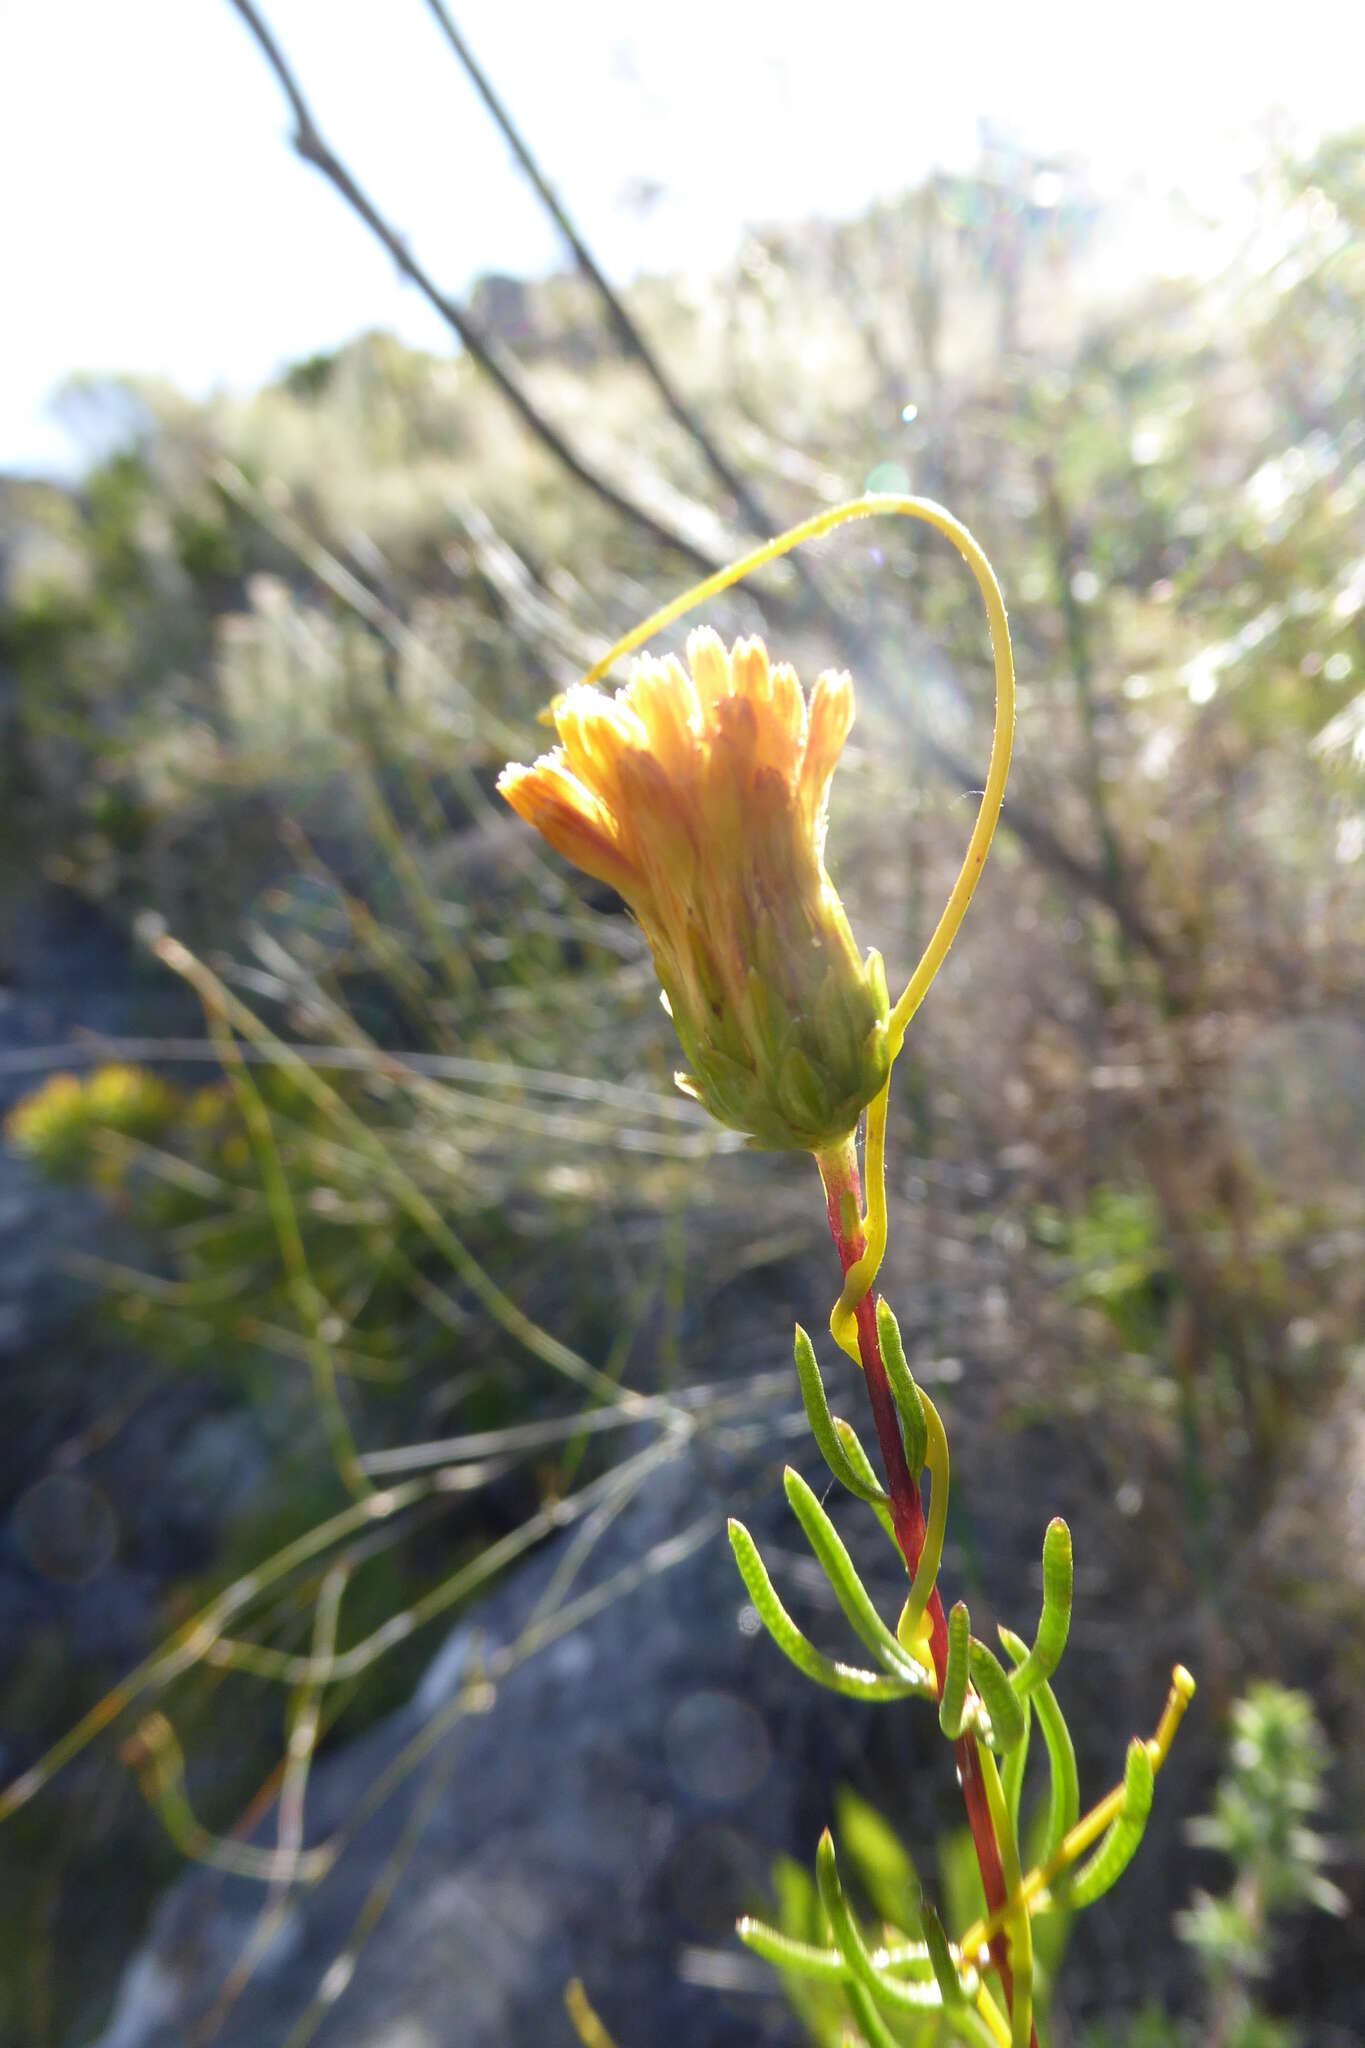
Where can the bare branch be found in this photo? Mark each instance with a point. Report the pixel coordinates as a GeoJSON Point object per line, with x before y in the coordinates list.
{"type": "Point", "coordinates": [629, 335]}
{"type": "Point", "coordinates": [488, 353]}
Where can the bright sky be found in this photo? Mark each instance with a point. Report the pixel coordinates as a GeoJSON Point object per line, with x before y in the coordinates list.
{"type": "Point", "coordinates": [157, 221]}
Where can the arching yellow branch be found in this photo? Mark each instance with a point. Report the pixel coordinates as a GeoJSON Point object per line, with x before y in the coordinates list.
{"type": "Point", "coordinates": [879, 506]}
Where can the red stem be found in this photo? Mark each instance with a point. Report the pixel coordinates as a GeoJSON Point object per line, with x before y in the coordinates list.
{"type": "Point", "coordinates": [843, 1204]}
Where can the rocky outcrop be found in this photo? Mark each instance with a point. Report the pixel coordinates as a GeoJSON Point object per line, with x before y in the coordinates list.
{"type": "Point", "coordinates": [623, 1798]}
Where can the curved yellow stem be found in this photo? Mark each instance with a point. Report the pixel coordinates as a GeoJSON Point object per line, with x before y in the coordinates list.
{"type": "Point", "coordinates": [880, 505]}
{"type": "Point", "coordinates": [586, 2024]}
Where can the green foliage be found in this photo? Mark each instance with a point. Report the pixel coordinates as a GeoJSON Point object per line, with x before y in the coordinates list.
{"type": "Point", "coordinates": [849, 1680]}
{"type": "Point", "coordinates": [1054, 1623]}
{"type": "Point", "coordinates": [880, 1862]}
{"type": "Point", "coordinates": [329, 610]}
{"type": "Point", "coordinates": [62, 1123]}
{"type": "Point", "coordinates": [1114, 1250]}
{"type": "Point", "coordinates": [976, 1699]}
{"type": "Point", "coordinates": [882, 1878]}
{"type": "Point", "coordinates": [1150, 2028]}
{"type": "Point", "coordinates": [1262, 1822]}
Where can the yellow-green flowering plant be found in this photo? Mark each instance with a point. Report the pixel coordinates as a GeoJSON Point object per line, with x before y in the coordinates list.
{"type": "Point", "coordinates": [700, 793]}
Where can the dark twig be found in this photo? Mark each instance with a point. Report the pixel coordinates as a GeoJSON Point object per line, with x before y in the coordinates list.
{"type": "Point", "coordinates": [631, 339]}
{"type": "Point", "coordinates": [759, 518]}
{"type": "Point", "coordinates": [484, 349]}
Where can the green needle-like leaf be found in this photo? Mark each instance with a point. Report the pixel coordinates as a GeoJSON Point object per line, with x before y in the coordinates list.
{"type": "Point", "coordinates": [862, 1483]}
{"type": "Point", "coordinates": [802, 1958]}
{"type": "Point", "coordinates": [1055, 1621]}
{"type": "Point", "coordinates": [1012, 1773]}
{"type": "Point", "coordinates": [863, 1472]}
{"type": "Point", "coordinates": [849, 1590]}
{"type": "Point", "coordinates": [1061, 1755]}
{"type": "Point", "coordinates": [909, 1959]}
{"type": "Point", "coordinates": [1018, 1928]}
{"type": "Point", "coordinates": [941, 1958]}
{"type": "Point", "coordinates": [1118, 1845]}
{"type": "Point", "coordinates": [1007, 1716]}
{"type": "Point", "coordinates": [890, 1991]}
{"type": "Point", "coordinates": [848, 1679]}
{"type": "Point", "coordinates": [952, 1707]}
{"type": "Point", "coordinates": [957, 1996]}
{"type": "Point", "coordinates": [914, 1428]}
{"type": "Point", "coordinates": [931, 1557]}
{"type": "Point", "coordinates": [874, 2028]}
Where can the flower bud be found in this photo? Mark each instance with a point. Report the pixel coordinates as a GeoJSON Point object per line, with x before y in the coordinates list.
{"type": "Point", "coordinates": [701, 795]}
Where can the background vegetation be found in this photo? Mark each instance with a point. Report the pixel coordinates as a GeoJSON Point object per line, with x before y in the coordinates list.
{"type": "Point", "coordinates": [382, 1134]}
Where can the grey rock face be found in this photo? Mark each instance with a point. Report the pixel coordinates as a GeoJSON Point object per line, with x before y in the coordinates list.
{"type": "Point", "coordinates": [188, 1458]}
{"type": "Point", "coordinates": [621, 1801]}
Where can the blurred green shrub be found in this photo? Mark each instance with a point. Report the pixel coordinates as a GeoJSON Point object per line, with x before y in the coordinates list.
{"type": "Point", "coordinates": [1263, 1823]}
{"type": "Point", "coordinates": [60, 1124]}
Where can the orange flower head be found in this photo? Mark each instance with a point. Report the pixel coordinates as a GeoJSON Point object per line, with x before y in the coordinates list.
{"type": "Point", "coordinates": [701, 794]}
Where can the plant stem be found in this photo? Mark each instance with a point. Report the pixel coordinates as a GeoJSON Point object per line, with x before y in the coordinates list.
{"type": "Point", "coordinates": [843, 1205]}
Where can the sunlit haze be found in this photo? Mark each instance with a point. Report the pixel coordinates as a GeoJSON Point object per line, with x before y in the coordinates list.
{"type": "Point", "coordinates": [158, 222]}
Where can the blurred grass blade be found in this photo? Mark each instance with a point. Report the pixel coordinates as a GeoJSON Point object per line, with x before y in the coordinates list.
{"type": "Point", "coordinates": [900, 1996]}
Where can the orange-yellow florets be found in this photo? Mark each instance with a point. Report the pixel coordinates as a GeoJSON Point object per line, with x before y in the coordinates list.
{"type": "Point", "coordinates": [700, 794]}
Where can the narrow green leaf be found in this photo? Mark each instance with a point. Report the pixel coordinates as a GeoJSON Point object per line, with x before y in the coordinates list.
{"type": "Point", "coordinates": [914, 1428]}
{"type": "Point", "coordinates": [1054, 1623]}
{"type": "Point", "coordinates": [861, 1483]}
{"type": "Point", "coordinates": [849, 1590]}
{"type": "Point", "coordinates": [1007, 1716]}
{"type": "Point", "coordinates": [1012, 1775]}
{"type": "Point", "coordinates": [956, 1992]}
{"type": "Point", "coordinates": [846, 1679]}
{"type": "Point", "coordinates": [784, 1953]}
{"type": "Point", "coordinates": [952, 1707]}
{"type": "Point", "coordinates": [1061, 1755]}
{"type": "Point", "coordinates": [887, 1876]}
{"type": "Point", "coordinates": [940, 1957]}
{"type": "Point", "coordinates": [1019, 1927]}
{"type": "Point", "coordinates": [874, 2028]}
{"type": "Point", "coordinates": [863, 1472]}
{"type": "Point", "coordinates": [1118, 1845]}
{"type": "Point", "coordinates": [890, 1991]}
{"type": "Point", "coordinates": [907, 1959]}
{"type": "Point", "coordinates": [931, 1557]}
